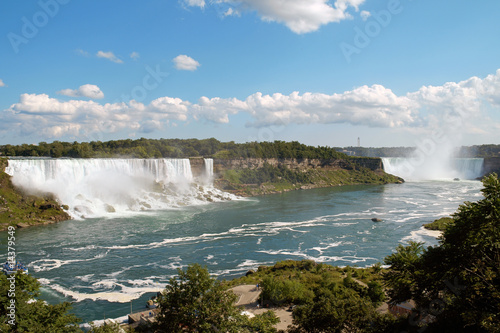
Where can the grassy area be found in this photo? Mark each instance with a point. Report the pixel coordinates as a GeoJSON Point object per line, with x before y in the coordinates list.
{"type": "Point", "coordinates": [20, 209]}
{"type": "Point", "coordinates": [308, 271]}
{"type": "Point", "coordinates": [296, 282]}
{"type": "Point", "coordinates": [270, 179]}
{"type": "Point", "coordinates": [440, 224]}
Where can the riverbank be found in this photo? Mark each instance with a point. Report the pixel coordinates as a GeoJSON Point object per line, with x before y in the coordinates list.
{"type": "Point", "coordinates": [254, 177]}
{"type": "Point", "coordinates": [22, 210]}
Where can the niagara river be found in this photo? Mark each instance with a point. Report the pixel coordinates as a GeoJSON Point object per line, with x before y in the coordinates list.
{"type": "Point", "coordinates": [108, 263]}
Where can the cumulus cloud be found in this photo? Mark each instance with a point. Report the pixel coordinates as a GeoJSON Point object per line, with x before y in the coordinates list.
{"type": "Point", "coordinates": [373, 106]}
{"type": "Point", "coordinates": [2, 84]}
{"type": "Point", "coordinates": [110, 56]}
{"type": "Point", "coordinates": [39, 113]}
{"type": "Point", "coordinates": [87, 90]}
{"type": "Point", "coordinates": [231, 12]}
{"type": "Point", "coordinates": [135, 55]}
{"type": "Point", "coordinates": [195, 3]}
{"type": "Point", "coordinates": [183, 62]}
{"type": "Point", "coordinates": [300, 16]}
{"type": "Point", "coordinates": [365, 15]}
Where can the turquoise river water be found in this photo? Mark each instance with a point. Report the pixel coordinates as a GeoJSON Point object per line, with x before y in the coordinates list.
{"type": "Point", "coordinates": [105, 266]}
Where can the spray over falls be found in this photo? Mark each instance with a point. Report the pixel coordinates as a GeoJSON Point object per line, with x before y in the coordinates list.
{"type": "Point", "coordinates": [434, 168]}
{"type": "Point", "coordinates": [111, 187]}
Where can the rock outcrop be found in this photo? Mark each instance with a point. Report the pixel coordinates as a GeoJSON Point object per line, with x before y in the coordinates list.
{"type": "Point", "coordinates": [21, 210]}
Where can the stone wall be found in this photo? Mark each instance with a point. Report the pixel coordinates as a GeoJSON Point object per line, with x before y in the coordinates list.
{"type": "Point", "coordinates": [491, 164]}
{"type": "Point", "coordinates": [374, 164]}
{"type": "Point", "coordinates": [197, 166]}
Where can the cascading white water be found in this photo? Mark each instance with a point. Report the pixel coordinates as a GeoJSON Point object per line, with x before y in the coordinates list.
{"type": "Point", "coordinates": [209, 168]}
{"type": "Point", "coordinates": [432, 169]}
{"type": "Point", "coordinates": [102, 187]}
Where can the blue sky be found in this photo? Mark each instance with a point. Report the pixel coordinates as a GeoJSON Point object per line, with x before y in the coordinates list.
{"type": "Point", "coordinates": [320, 72]}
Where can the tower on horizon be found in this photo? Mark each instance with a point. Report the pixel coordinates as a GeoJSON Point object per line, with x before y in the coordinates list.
{"type": "Point", "coordinates": [359, 142]}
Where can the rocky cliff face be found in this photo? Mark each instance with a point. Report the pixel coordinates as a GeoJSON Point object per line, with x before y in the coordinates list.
{"type": "Point", "coordinates": [197, 166]}
{"type": "Point", "coordinates": [257, 176]}
{"type": "Point", "coordinates": [374, 164]}
{"type": "Point", "coordinates": [491, 164]}
{"type": "Point", "coordinates": [22, 210]}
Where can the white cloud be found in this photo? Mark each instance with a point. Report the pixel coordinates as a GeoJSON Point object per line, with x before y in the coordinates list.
{"type": "Point", "coordinates": [231, 12]}
{"type": "Point", "coordinates": [373, 106]}
{"type": "Point", "coordinates": [52, 118]}
{"type": "Point", "coordinates": [195, 3]}
{"type": "Point", "coordinates": [365, 15]}
{"type": "Point", "coordinates": [466, 103]}
{"type": "Point", "coordinates": [2, 84]}
{"type": "Point", "coordinates": [110, 56]}
{"type": "Point", "coordinates": [87, 90]}
{"type": "Point", "coordinates": [135, 55]}
{"type": "Point", "coordinates": [82, 53]}
{"type": "Point", "coordinates": [217, 109]}
{"type": "Point", "coordinates": [183, 62]}
{"type": "Point", "coordinates": [300, 16]}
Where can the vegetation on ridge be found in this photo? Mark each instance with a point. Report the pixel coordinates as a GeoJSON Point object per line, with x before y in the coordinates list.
{"type": "Point", "coordinates": [439, 224]}
{"type": "Point", "coordinates": [274, 179]}
{"type": "Point", "coordinates": [20, 209]}
{"type": "Point", "coordinates": [172, 148]}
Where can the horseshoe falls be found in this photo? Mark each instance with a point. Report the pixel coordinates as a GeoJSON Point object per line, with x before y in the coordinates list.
{"type": "Point", "coordinates": [434, 168]}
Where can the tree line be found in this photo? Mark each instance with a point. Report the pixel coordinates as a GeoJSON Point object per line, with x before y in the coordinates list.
{"type": "Point", "coordinates": [171, 148]}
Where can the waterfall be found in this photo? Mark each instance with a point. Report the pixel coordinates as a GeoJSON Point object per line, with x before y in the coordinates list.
{"type": "Point", "coordinates": [433, 169]}
{"type": "Point", "coordinates": [209, 168]}
{"type": "Point", "coordinates": [103, 187]}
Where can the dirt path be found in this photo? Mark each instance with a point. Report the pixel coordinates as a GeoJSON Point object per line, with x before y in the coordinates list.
{"type": "Point", "coordinates": [248, 296]}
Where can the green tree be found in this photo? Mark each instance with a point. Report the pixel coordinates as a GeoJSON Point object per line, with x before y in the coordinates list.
{"type": "Point", "coordinates": [31, 313]}
{"type": "Point", "coordinates": [458, 281]}
{"type": "Point", "coordinates": [196, 302]}
{"type": "Point", "coordinates": [339, 309]}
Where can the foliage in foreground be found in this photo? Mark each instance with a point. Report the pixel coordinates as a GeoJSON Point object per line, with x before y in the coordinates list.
{"type": "Point", "coordinates": [456, 285]}
{"type": "Point", "coordinates": [196, 302]}
{"type": "Point", "coordinates": [32, 314]}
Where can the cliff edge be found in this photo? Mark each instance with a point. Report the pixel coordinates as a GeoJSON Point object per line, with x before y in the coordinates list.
{"type": "Point", "coordinates": [259, 176]}
{"type": "Point", "coordinates": [21, 210]}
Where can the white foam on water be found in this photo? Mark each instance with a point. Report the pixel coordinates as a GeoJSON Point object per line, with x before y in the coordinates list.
{"type": "Point", "coordinates": [50, 264]}
{"type": "Point", "coordinates": [115, 187]}
{"type": "Point", "coordinates": [417, 235]}
{"type": "Point", "coordinates": [351, 259]}
{"type": "Point", "coordinates": [84, 278]}
{"type": "Point", "coordinates": [125, 295]}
